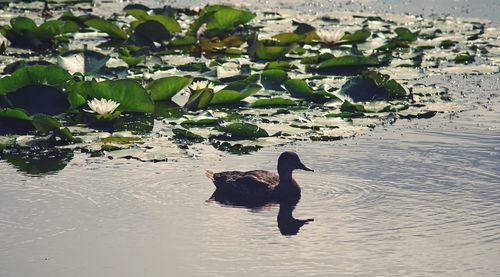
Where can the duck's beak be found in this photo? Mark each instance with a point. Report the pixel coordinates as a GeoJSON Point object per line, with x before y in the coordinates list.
{"type": "Point", "coordinates": [304, 167]}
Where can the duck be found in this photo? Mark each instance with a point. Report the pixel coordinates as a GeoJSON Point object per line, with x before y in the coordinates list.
{"type": "Point", "coordinates": [260, 185]}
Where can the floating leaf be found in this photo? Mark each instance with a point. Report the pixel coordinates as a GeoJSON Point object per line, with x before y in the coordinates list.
{"type": "Point", "coordinates": [373, 86]}
{"type": "Point", "coordinates": [405, 34]}
{"type": "Point", "coordinates": [346, 65]}
{"type": "Point", "coordinates": [273, 78]}
{"type": "Point", "coordinates": [235, 92]}
{"type": "Point", "coordinates": [259, 50]}
{"type": "Point", "coordinates": [273, 102]}
{"type": "Point", "coordinates": [187, 135]}
{"type": "Point", "coordinates": [300, 89]}
{"type": "Point", "coordinates": [47, 124]}
{"type": "Point", "coordinates": [24, 33]}
{"type": "Point", "coordinates": [131, 96]}
{"type": "Point", "coordinates": [200, 123]}
{"type": "Point", "coordinates": [107, 27]}
{"type": "Point", "coordinates": [165, 88]}
{"type": "Point", "coordinates": [243, 131]}
{"type": "Point", "coordinates": [51, 75]}
{"type": "Point", "coordinates": [358, 36]}
{"type": "Point", "coordinates": [464, 58]}
{"type": "Point", "coordinates": [14, 121]}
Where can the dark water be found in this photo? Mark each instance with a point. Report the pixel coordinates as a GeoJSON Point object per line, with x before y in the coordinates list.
{"type": "Point", "coordinates": [419, 198]}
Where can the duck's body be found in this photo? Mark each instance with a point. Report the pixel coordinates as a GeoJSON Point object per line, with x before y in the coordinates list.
{"type": "Point", "coordinates": [261, 185]}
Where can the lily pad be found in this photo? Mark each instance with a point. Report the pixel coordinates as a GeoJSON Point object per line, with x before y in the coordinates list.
{"type": "Point", "coordinates": [243, 131]}
{"type": "Point", "coordinates": [24, 33]}
{"type": "Point", "coordinates": [234, 92]}
{"type": "Point", "coordinates": [131, 96]}
{"type": "Point", "coordinates": [166, 88]}
{"type": "Point", "coordinates": [273, 79]}
{"type": "Point", "coordinates": [107, 27]}
{"type": "Point", "coordinates": [346, 65]}
{"type": "Point", "coordinates": [300, 89]}
{"type": "Point", "coordinates": [47, 124]}
{"type": "Point", "coordinates": [273, 102]}
{"type": "Point", "coordinates": [373, 86]}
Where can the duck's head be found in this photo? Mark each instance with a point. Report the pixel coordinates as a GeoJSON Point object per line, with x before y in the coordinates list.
{"type": "Point", "coordinates": [289, 161]}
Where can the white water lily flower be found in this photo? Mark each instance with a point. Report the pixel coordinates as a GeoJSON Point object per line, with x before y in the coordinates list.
{"type": "Point", "coordinates": [201, 85]}
{"type": "Point", "coordinates": [330, 37]}
{"type": "Point", "coordinates": [205, 84]}
{"type": "Point", "coordinates": [102, 106]}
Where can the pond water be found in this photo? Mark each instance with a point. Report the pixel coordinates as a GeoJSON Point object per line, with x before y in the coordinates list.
{"type": "Point", "coordinates": [416, 198]}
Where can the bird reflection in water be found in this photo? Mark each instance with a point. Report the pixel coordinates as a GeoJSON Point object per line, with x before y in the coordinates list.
{"type": "Point", "coordinates": [287, 224]}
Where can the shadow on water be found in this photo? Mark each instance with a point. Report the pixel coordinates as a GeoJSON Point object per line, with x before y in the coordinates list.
{"type": "Point", "coordinates": [37, 162]}
{"type": "Point", "coordinates": [287, 224]}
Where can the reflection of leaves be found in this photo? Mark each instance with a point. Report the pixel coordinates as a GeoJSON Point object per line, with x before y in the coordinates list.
{"type": "Point", "coordinates": [35, 161]}
{"type": "Point", "coordinates": [238, 149]}
{"type": "Point", "coordinates": [137, 124]}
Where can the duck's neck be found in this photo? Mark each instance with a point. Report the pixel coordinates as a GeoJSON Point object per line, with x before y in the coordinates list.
{"type": "Point", "coordinates": [285, 175]}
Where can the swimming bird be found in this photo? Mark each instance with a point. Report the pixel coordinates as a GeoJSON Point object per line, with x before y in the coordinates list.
{"type": "Point", "coordinates": [260, 185]}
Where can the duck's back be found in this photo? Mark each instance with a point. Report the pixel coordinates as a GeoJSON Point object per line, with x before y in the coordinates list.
{"type": "Point", "coordinates": [255, 183]}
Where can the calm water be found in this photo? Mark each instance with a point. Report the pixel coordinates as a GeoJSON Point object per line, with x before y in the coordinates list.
{"type": "Point", "coordinates": [414, 199]}
{"type": "Point", "coordinates": [419, 198]}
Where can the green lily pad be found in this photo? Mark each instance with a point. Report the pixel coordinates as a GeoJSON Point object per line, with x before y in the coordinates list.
{"type": "Point", "coordinates": [200, 123]}
{"type": "Point", "coordinates": [220, 19]}
{"type": "Point", "coordinates": [464, 58]}
{"type": "Point", "coordinates": [300, 89]}
{"type": "Point", "coordinates": [187, 135]}
{"type": "Point", "coordinates": [107, 27]}
{"type": "Point", "coordinates": [24, 33]}
{"type": "Point", "coordinates": [373, 86]}
{"type": "Point", "coordinates": [47, 124]}
{"type": "Point", "coordinates": [14, 121]}
{"type": "Point", "coordinates": [358, 36]}
{"type": "Point", "coordinates": [243, 131]}
{"type": "Point", "coordinates": [131, 96]}
{"type": "Point", "coordinates": [166, 88]}
{"type": "Point", "coordinates": [346, 65]}
{"type": "Point", "coordinates": [51, 75]}
{"type": "Point", "coordinates": [273, 79]}
{"type": "Point", "coordinates": [405, 34]}
{"type": "Point", "coordinates": [129, 57]}
{"type": "Point", "coordinates": [260, 50]}
{"type": "Point", "coordinates": [273, 102]}
{"type": "Point", "coordinates": [234, 92]}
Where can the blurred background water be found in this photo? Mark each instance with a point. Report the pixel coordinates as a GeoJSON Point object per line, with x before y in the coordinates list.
{"type": "Point", "coordinates": [417, 198]}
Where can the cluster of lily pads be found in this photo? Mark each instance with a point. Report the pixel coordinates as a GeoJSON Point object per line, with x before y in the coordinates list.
{"type": "Point", "coordinates": [155, 83]}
